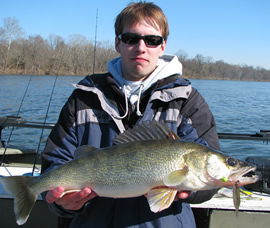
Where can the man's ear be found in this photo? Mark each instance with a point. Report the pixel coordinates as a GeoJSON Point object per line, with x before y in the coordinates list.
{"type": "Point", "coordinates": [163, 47]}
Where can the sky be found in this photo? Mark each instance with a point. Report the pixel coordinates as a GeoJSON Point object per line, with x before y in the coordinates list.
{"type": "Point", "coordinates": [235, 31]}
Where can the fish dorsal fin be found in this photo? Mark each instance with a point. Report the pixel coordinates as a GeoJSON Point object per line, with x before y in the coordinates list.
{"type": "Point", "coordinates": [161, 198]}
{"type": "Point", "coordinates": [83, 150]}
{"type": "Point", "coordinates": [152, 131]}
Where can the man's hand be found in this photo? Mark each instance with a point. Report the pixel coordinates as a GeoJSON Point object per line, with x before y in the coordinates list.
{"type": "Point", "coordinates": [182, 195]}
{"type": "Point", "coordinates": [179, 195]}
{"type": "Point", "coordinates": [70, 201]}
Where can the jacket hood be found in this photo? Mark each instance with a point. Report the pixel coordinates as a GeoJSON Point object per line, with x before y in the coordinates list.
{"type": "Point", "coordinates": [167, 65]}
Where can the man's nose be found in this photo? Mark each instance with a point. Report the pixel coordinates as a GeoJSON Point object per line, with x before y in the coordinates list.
{"type": "Point", "coordinates": [141, 46]}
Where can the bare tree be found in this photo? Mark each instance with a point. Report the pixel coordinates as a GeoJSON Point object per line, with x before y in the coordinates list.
{"type": "Point", "coordinates": [36, 47]}
{"type": "Point", "coordinates": [199, 61]}
{"type": "Point", "coordinates": [78, 48]}
{"type": "Point", "coordinates": [11, 31]}
{"type": "Point", "coordinates": [105, 52]}
{"type": "Point", "coordinates": [182, 56]}
{"type": "Point", "coordinates": [18, 56]}
{"type": "Point", "coordinates": [2, 47]}
{"type": "Point", "coordinates": [55, 54]}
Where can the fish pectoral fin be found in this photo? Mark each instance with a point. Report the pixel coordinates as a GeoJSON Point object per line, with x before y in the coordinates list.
{"type": "Point", "coordinates": [68, 192]}
{"type": "Point", "coordinates": [176, 177]}
{"type": "Point", "coordinates": [161, 198]}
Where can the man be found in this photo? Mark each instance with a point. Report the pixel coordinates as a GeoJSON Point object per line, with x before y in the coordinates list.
{"type": "Point", "coordinates": [141, 85]}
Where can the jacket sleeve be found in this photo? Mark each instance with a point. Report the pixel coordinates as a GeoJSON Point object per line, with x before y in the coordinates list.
{"type": "Point", "coordinates": [60, 147]}
{"type": "Point", "coordinates": [197, 112]}
{"type": "Point", "coordinates": [62, 140]}
{"type": "Point", "coordinates": [198, 125]}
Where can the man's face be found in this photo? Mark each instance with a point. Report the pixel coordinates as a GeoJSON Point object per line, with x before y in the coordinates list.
{"type": "Point", "coordinates": [138, 60]}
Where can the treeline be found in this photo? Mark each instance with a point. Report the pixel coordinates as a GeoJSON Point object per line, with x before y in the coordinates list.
{"type": "Point", "coordinates": [79, 56]}
{"type": "Point", "coordinates": [54, 56]}
{"type": "Point", "coordinates": [201, 67]}
{"type": "Point", "coordinates": [51, 56]}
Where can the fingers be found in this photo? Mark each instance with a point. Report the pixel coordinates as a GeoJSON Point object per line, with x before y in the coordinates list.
{"type": "Point", "coordinates": [54, 194]}
{"type": "Point", "coordinates": [70, 201]}
{"type": "Point", "coordinates": [76, 200]}
{"type": "Point", "coordinates": [74, 196]}
{"type": "Point", "coordinates": [184, 195]}
{"type": "Point", "coordinates": [180, 195]}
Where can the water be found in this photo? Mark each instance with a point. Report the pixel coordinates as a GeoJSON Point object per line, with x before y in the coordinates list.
{"type": "Point", "coordinates": [239, 107]}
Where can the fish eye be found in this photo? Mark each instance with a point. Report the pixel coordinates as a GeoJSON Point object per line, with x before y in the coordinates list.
{"type": "Point", "coordinates": [231, 162]}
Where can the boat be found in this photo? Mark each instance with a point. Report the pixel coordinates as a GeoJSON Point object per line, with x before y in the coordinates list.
{"type": "Point", "coordinates": [217, 212]}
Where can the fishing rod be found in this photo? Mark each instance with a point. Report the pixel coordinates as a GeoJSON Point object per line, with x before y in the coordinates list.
{"type": "Point", "coordinates": [263, 135]}
{"type": "Point", "coordinates": [43, 126]}
{"type": "Point", "coordinates": [95, 47]}
{"type": "Point", "coordinates": [17, 115]}
{"type": "Point", "coordinates": [19, 122]}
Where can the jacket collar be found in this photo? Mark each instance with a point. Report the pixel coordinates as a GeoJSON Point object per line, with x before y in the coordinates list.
{"type": "Point", "coordinates": [165, 90]}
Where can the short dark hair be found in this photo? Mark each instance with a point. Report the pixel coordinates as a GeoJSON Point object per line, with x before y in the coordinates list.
{"type": "Point", "coordinates": [136, 12]}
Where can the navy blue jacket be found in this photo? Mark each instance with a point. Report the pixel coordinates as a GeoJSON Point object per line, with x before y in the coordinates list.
{"type": "Point", "coordinates": [90, 116]}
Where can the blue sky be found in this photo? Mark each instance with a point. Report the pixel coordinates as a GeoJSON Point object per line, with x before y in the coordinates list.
{"type": "Point", "coordinates": [235, 31]}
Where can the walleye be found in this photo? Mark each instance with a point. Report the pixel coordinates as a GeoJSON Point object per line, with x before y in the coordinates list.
{"type": "Point", "coordinates": [148, 159]}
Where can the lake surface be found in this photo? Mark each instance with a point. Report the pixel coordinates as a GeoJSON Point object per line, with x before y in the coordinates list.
{"type": "Point", "coordinates": [238, 106]}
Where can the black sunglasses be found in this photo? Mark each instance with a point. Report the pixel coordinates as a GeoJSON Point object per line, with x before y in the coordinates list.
{"type": "Point", "coordinates": [132, 38]}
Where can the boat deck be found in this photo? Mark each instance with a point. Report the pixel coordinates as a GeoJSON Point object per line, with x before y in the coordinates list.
{"type": "Point", "coordinates": [257, 202]}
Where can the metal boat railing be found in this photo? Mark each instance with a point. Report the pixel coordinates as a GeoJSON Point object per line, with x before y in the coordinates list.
{"type": "Point", "coordinates": [13, 121]}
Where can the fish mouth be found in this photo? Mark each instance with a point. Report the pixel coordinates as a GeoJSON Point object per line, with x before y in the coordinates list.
{"type": "Point", "coordinates": [245, 176]}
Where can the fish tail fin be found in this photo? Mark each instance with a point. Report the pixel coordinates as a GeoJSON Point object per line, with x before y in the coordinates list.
{"type": "Point", "coordinates": [24, 197]}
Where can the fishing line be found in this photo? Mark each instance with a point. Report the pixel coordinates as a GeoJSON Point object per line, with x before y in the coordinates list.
{"type": "Point", "coordinates": [44, 123]}
{"type": "Point", "coordinates": [11, 132]}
